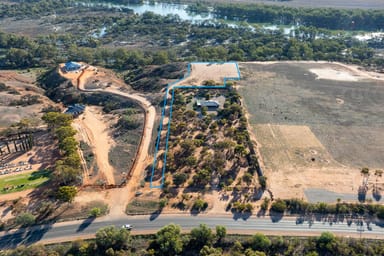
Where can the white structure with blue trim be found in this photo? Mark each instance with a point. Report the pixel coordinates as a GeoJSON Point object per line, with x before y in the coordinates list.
{"type": "Point", "coordinates": [72, 66]}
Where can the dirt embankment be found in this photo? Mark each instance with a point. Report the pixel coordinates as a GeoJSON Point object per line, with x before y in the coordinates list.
{"type": "Point", "coordinates": [93, 130]}
{"type": "Point", "coordinates": [118, 198]}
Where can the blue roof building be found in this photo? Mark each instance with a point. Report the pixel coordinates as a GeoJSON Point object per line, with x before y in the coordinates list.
{"type": "Point", "coordinates": [72, 66]}
{"type": "Point", "coordinates": [75, 110]}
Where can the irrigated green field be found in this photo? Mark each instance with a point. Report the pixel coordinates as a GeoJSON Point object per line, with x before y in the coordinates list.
{"type": "Point", "coordinates": [23, 181]}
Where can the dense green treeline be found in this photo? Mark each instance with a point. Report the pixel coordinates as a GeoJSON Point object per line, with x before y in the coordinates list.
{"type": "Point", "coordinates": [180, 41]}
{"type": "Point", "coordinates": [38, 8]}
{"type": "Point", "coordinates": [329, 18]}
{"type": "Point", "coordinates": [169, 241]}
{"type": "Point", "coordinates": [167, 39]}
{"type": "Point", "coordinates": [318, 17]}
{"type": "Point", "coordinates": [67, 172]}
{"type": "Point", "coordinates": [33, 8]}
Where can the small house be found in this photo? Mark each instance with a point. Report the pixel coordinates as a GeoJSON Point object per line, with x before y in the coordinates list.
{"type": "Point", "coordinates": [72, 66]}
{"type": "Point", "coordinates": [208, 103]}
{"type": "Point", "coordinates": [75, 110]}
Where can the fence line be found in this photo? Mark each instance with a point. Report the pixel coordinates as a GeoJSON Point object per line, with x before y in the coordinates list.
{"type": "Point", "coordinates": [169, 86]}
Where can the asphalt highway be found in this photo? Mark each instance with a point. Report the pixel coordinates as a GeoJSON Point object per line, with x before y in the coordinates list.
{"type": "Point", "coordinates": [150, 224]}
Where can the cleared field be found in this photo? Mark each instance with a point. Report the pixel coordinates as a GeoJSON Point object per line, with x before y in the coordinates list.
{"type": "Point", "coordinates": [20, 182]}
{"type": "Point", "coordinates": [314, 132]}
{"type": "Point", "coordinates": [216, 72]}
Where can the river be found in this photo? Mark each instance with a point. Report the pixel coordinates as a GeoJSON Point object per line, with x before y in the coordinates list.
{"type": "Point", "coordinates": [181, 10]}
{"type": "Point", "coordinates": [157, 8]}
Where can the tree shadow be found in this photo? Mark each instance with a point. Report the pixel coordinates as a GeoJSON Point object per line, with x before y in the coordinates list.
{"type": "Point", "coordinates": [155, 214]}
{"type": "Point", "coordinates": [276, 216]}
{"type": "Point", "coordinates": [194, 212]}
{"type": "Point", "coordinates": [260, 213]}
{"type": "Point", "coordinates": [241, 215]}
{"type": "Point", "coordinates": [257, 194]}
{"type": "Point", "coordinates": [6, 211]}
{"type": "Point", "coordinates": [180, 205]}
{"type": "Point", "coordinates": [362, 194]}
{"type": "Point", "coordinates": [379, 223]}
{"type": "Point", "coordinates": [85, 224]}
{"type": "Point", "coordinates": [224, 197]}
{"type": "Point", "coordinates": [39, 174]}
{"type": "Point", "coordinates": [300, 219]}
{"type": "Point", "coordinates": [24, 236]}
{"type": "Point", "coordinates": [11, 157]}
{"type": "Point", "coordinates": [376, 195]}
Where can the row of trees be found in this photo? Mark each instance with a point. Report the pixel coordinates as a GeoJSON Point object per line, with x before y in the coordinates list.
{"type": "Point", "coordinates": [354, 19]}
{"type": "Point", "coordinates": [297, 206]}
{"type": "Point", "coordinates": [205, 242]}
{"type": "Point", "coordinates": [67, 171]}
{"type": "Point", "coordinates": [319, 17]}
{"type": "Point", "coordinates": [172, 39]}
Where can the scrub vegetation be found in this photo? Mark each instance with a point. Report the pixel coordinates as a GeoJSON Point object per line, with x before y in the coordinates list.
{"type": "Point", "coordinates": [204, 241]}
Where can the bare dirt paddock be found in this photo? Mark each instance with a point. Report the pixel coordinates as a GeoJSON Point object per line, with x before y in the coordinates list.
{"type": "Point", "coordinates": [204, 71]}
{"type": "Point", "coordinates": [316, 124]}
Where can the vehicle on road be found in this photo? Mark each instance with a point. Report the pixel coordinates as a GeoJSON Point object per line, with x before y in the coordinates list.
{"type": "Point", "coordinates": [127, 226]}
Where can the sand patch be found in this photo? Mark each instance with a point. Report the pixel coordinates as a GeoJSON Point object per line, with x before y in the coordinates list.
{"type": "Point", "coordinates": [296, 182]}
{"type": "Point", "coordinates": [201, 72]}
{"type": "Point", "coordinates": [335, 74]}
{"type": "Point", "coordinates": [94, 130]}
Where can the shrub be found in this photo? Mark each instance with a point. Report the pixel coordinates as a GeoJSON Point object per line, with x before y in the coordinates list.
{"type": "Point", "coordinates": [248, 207]}
{"type": "Point", "coordinates": [200, 205]}
{"type": "Point", "coordinates": [163, 202]}
{"type": "Point", "coordinates": [179, 178]}
{"type": "Point", "coordinates": [25, 219]}
{"type": "Point", "coordinates": [263, 182]}
{"type": "Point", "coordinates": [260, 242]}
{"type": "Point", "coordinates": [26, 100]}
{"type": "Point", "coordinates": [380, 212]}
{"type": "Point", "coordinates": [3, 87]}
{"type": "Point", "coordinates": [67, 193]}
{"type": "Point", "coordinates": [247, 178]}
{"type": "Point", "coordinates": [95, 212]}
{"type": "Point", "coordinates": [128, 123]}
{"type": "Point", "coordinates": [279, 206]}
{"type": "Point", "coordinates": [265, 204]}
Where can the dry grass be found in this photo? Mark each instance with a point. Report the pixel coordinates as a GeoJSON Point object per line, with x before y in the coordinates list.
{"type": "Point", "coordinates": [314, 133]}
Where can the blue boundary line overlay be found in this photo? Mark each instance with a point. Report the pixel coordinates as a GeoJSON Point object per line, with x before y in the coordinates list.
{"type": "Point", "coordinates": [224, 86]}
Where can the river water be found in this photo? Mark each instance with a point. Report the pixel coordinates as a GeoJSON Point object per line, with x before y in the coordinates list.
{"type": "Point", "coordinates": [181, 10]}
{"type": "Point", "coordinates": [157, 8]}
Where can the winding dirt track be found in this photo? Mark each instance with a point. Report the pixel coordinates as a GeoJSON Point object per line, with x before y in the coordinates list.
{"type": "Point", "coordinates": [119, 197]}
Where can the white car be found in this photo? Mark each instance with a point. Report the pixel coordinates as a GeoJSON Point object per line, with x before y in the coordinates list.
{"type": "Point", "coordinates": [127, 226]}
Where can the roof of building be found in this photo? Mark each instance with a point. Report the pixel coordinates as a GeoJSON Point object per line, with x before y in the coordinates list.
{"type": "Point", "coordinates": [72, 65]}
{"type": "Point", "coordinates": [75, 109]}
{"type": "Point", "coordinates": [208, 103]}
